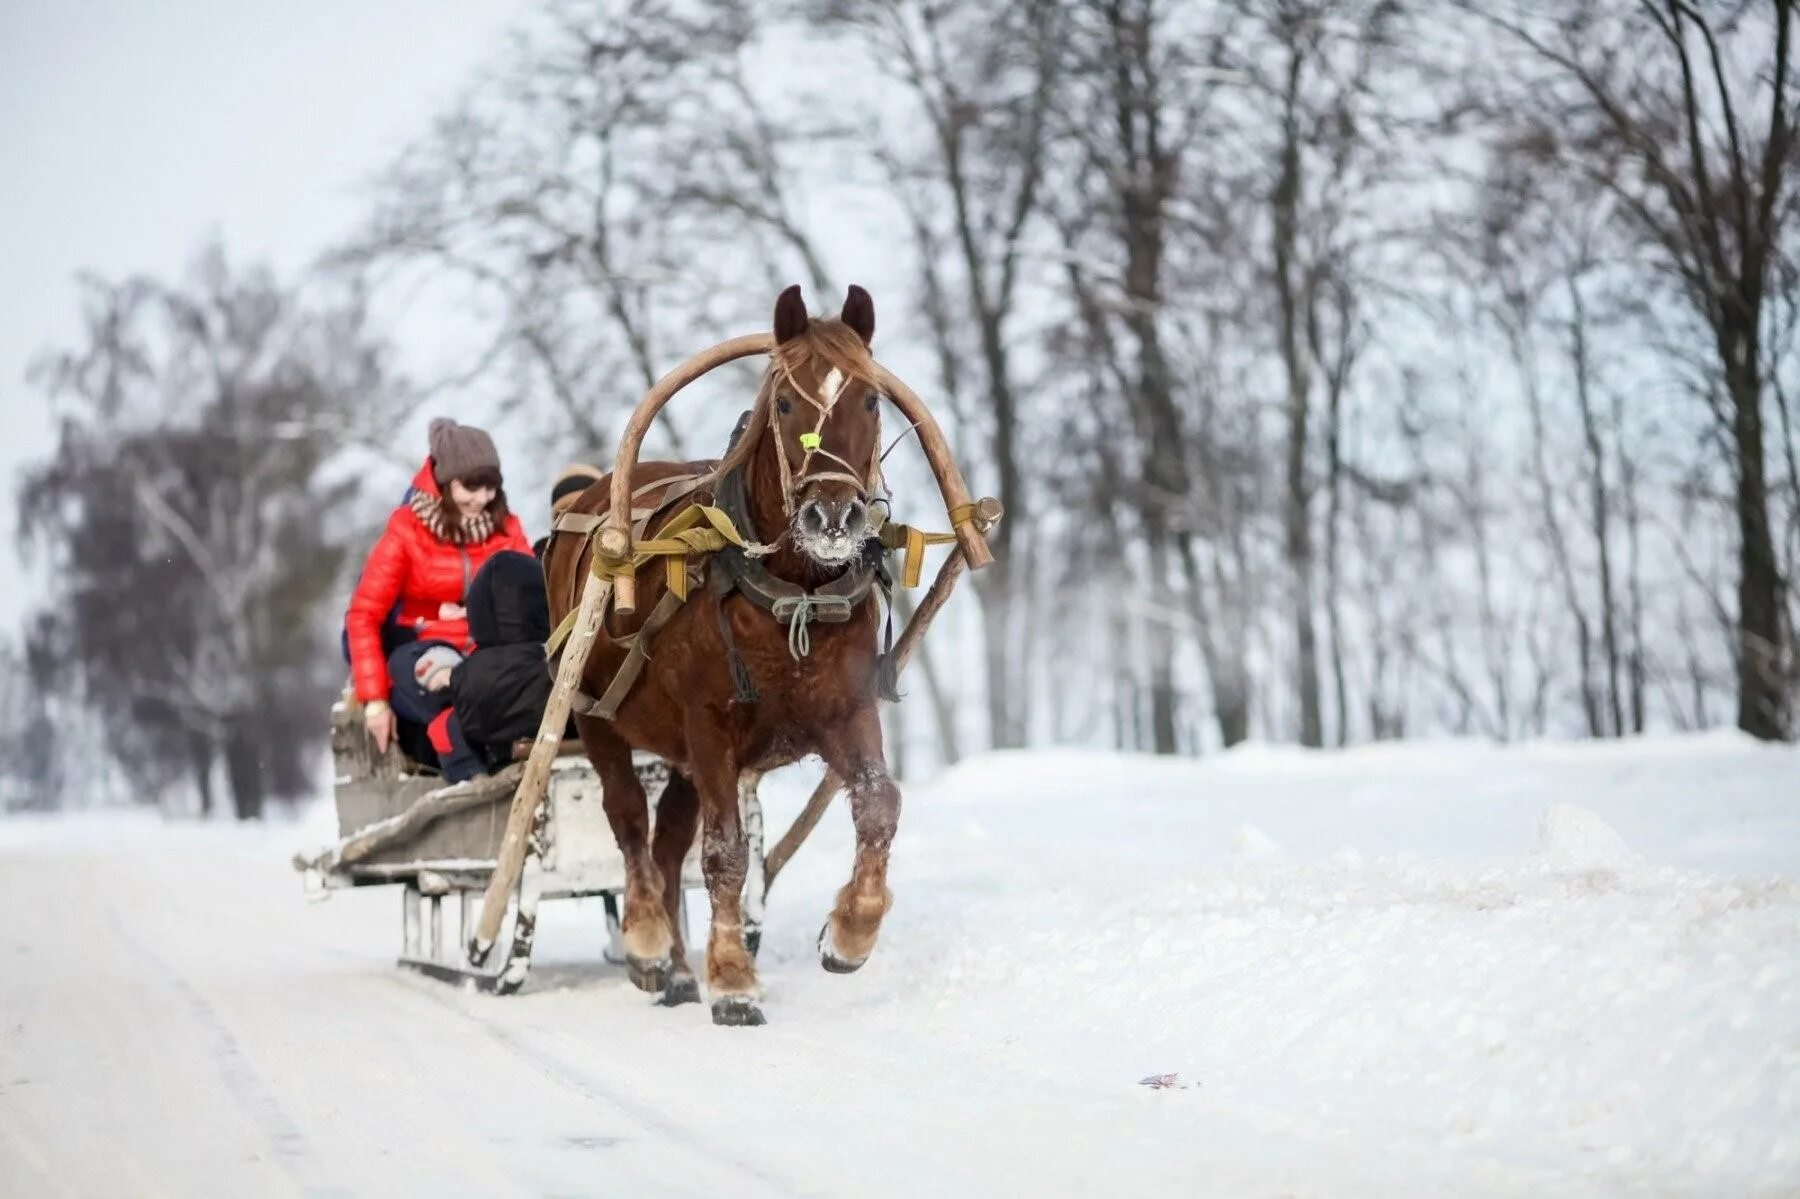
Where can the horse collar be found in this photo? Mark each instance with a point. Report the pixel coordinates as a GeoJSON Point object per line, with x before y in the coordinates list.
{"type": "Point", "coordinates": [789, 603]}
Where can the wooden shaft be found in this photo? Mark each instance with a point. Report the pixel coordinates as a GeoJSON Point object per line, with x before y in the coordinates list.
{"type": "Point", "coordinates": [531, 790]}
{"type": "Point", "coordinates": [831, 784]}
{"type": "Point", "coordinates": [802, 828]}
{"type": "Point", "coordinates": [943, 463]}
{"type": "Point", "coordinates": [618, 516]}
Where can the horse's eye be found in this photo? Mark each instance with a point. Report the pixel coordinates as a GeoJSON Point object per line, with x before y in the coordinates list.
{"type": "Point", "coordinates": [784, 406]}
{"type": "Point", "coordinates": [874, 401]}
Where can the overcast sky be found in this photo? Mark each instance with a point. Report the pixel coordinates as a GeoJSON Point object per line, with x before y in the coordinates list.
{"type": "Point", "coordinates": [130, 130]}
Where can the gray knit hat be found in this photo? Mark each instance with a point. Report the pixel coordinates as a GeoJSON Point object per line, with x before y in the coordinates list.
{"type": "Point", "coordinates": [458, 451]}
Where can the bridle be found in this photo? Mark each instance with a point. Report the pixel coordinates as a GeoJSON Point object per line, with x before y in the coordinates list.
{"type": "Point", "coordinates": [812, 445]}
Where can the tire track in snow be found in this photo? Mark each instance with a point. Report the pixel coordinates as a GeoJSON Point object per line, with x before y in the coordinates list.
{"type": "Point", "coordinates": [593, 1090]}
{"type": "Point", "coordinates": [37, 1170]}
{"type": "Point", "coordinates": [290, 1147]}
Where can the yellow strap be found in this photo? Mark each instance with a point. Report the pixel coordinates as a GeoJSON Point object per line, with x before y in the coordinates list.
{"type": "Point", "coordinates": [962, 514]}
{"type": "Point", "coordinates": [911, 543]}
{"type": "Point", "coordinates": [566, 626]}
{"type": "Point", "coordinates": [605, 568]}
{"type": "Point", "coordinates": [682, 536]}
{"type": "Point", "coordinates": [893, 536]}
{"type": "Point", "coordinates": [688, 541]}
{"type": "Point", "coordinates": [559, 634]}
{"type": "Point", "coordinates": [915, 557]}
{"type": "Point", "coordinates": [722, 524]}
{"type": "Point", "coordinates": [675, 543]}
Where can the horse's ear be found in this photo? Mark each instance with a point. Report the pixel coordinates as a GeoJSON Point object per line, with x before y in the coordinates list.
{"type": "Point", "coordinates": [859, 313]}
{"type": "Point", "coordinates": [790, 315]}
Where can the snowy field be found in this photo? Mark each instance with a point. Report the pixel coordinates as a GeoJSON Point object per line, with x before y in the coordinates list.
{"type": "Point", "coordinates": [1445, 969]}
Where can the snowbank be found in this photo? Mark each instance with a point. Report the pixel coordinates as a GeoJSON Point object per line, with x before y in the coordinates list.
{"type": "Point", "coordinates": [1417, 969]}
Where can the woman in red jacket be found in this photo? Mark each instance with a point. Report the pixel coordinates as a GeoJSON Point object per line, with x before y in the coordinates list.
{"type": "Point", "coordinates": [454, 520]}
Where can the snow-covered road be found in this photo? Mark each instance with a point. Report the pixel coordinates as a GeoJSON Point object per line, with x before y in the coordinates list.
{"type": "Point", "coordinates": [1375, 973]}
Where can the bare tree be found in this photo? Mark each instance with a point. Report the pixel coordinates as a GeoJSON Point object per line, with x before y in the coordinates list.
{"type": "Point", "coordinates": [195, 524]}
{"type": "Point", "coordinates": [32, 751]}
{"type": "Point", "coordinates": [982, 77]}
{"type": "Point", "coordinates": [1678, 119]}
{"type": "Point", "coordinates": [577, 193]}
{"type": "Point", "coordinates": [1315, 71]}
{"type": "Point", "coordinates": [1135, 113]}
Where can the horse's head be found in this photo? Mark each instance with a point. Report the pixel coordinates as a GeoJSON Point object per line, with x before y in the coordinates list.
{"type": "Point", "coordinates": [824, 415]}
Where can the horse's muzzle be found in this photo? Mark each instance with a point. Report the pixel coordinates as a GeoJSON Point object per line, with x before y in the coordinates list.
{"type": "Point", "coordinates": [834, 529]}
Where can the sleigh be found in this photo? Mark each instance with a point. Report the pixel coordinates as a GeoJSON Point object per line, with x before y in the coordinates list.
{"type": "Point", "coordinates": [400, 824]}
{"type": "Point", "coordinates": [537, 829]}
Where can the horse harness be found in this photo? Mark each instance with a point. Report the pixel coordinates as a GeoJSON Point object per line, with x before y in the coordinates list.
{"type": "Point", "coordinates": [700, 535]}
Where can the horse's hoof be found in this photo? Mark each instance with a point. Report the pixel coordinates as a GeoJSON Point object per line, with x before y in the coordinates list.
{"type": "Point", "coordinates": [831, 961]}
{"type": "Point", "coordinates": [737, 1011]}
{"type": "Point", "coordinates": [682, 988]}
{"type": "Point", "coordinates": [648, 974]}
{"type": "Point", "coordinates": [753, 941]}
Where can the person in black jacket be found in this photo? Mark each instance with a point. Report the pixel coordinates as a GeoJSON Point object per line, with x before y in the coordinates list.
{"type": "Point", "coordinates": [575, 478]}
{"type": "Point", "coordinates": [500, 690]}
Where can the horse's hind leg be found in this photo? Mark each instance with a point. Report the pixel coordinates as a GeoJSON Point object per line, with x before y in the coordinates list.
{"type": "Point", "coordinates": [854, 751]}
{"type": "Point", "coordinates": [646, 928]}
{"type": "Point", "coordinates": [677, 813]}
{"type": "Point", "coordinates": [724, 856]}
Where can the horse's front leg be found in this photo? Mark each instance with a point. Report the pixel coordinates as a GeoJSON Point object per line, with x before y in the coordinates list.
{"type": "Point", "coordinates": [724, 859]}
{"type": "Point", "coordinates": [854, 751]}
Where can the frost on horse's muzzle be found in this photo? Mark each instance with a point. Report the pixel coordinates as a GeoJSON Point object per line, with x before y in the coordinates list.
{"type": "Point", "coordinates": [832, 531]}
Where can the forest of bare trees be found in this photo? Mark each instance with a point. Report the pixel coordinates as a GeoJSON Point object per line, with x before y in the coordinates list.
{"type": "Point", "coordinates": [1349, 370]}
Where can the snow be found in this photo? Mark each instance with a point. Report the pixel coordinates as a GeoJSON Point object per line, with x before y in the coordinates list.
{"type": "Point", "coordinates": [1443, 968]}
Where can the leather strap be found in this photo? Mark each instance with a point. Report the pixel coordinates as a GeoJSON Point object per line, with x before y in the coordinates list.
{"type": "Point", "coordinates": [608, 706]}
{"type": "Point", "coordinates": [831, 602]}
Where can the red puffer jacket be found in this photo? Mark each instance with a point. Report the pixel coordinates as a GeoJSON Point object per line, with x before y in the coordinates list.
{"type": "Point", "coordinates": [423, 572]}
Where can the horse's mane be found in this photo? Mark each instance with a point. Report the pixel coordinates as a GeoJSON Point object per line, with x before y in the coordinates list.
{"type": "Point", "coordinates": [826, 341]}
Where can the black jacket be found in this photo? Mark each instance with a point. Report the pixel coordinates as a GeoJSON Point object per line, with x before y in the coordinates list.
{"type": "Point", "coordinates": [500, 690]}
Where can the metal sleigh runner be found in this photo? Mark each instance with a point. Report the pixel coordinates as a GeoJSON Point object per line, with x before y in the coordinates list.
{"type": "Point", "coordinates": [713, 621]}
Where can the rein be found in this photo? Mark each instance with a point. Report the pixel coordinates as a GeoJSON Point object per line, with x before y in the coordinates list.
{"type": "Point", "coordinates": [715, 536]}
{"type": "Point", "coordinates": [812, 443]}
{"type": "Point", "coordinates": [701, 542]}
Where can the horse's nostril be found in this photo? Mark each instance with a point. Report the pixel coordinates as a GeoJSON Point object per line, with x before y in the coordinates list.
{"type": "Point", "coordinates": [854, 512]}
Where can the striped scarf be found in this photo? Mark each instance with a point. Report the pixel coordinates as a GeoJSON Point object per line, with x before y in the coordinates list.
{"type": "Point", "coordinates": [439, 519]}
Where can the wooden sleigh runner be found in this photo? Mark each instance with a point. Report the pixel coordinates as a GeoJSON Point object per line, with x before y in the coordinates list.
{"type": "Point", "coordinates": [401, 825]}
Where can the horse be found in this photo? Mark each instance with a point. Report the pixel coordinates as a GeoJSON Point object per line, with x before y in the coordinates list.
{"type": "Point", "coordinates": [730, 690]}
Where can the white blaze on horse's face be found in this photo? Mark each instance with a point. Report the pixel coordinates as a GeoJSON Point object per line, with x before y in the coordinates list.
{"type": "Point", "coordinates": [831, 521]}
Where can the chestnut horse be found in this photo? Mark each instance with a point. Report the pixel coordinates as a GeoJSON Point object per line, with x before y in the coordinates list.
{"type": "Point", "coordinates": [805, 466]}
